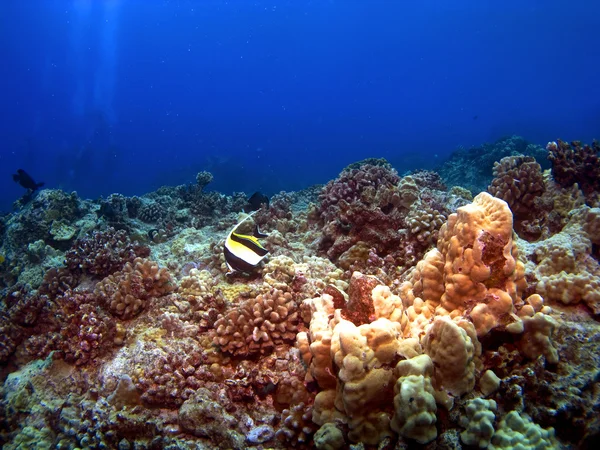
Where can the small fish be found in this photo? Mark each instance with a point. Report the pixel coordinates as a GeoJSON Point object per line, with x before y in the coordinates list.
{"type": "Point", "coordinates": [25, 180]}
{"type": "Point", "coordinates": [243, 252]}
{"type": "Point", "coordinates": [2, 259]}
{"type": "Point", "coordinates": [255, 201]}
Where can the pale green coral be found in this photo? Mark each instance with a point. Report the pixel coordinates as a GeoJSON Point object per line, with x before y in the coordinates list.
{"type": "Point", "coordinates": [60, 230]}
{"type": "Point", "coordinates": [518, 432]}
{"type": "Point", "coordinates": [414, 402]}
{"type": "Point", "coordinates": [32, 438]}
{"type": "Point", "coordinates": [479, 422]}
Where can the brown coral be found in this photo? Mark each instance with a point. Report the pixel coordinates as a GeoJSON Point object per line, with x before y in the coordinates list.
{"type": "Point", "coordinates": [126, 293]}
{"type": "Point", "coordinates": [258, 325]}
{"type": "Point", "coordinates": [576, 163]}
{"type": "Point", "coordinates": [57, 281]}
{"type": "Point", "coordinates": [103, 252]}
{"type": "Point", "coordinates": [361, 205]}
{"type": "Point", "coordinates": [519, 182]}
{"type": "Point", "coordinates": [297, 426]}
{"type": "Point", "coordinates": [151, 212]}
{"type": "Point", "coordinates": [86, 330]}
{"type": "Point", "coordinates": [174, 376]}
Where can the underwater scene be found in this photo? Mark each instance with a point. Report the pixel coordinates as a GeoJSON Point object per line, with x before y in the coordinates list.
{"type": "Point", "coordinates": [299, 224]}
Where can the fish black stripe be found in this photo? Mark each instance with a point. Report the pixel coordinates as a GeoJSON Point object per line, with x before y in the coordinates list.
{"type": "Point", "coordinates": [257, 233]}
{"type": "Point", "coordinates": [260, 251]}
{"type": "Point", "coordinates": [237, 263]}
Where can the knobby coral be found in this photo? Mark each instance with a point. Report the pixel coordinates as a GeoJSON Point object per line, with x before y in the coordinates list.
{"type": "Point", "coordinates": [576, 163]}
{"type": "Point", "coordinates": [518, 180]}
{"type": "Point", "coordinates": [259, 324]}
{"type": "Point", "coordinates": [126, 293]}
{"type": "Point", "coordinates": [103, 252]}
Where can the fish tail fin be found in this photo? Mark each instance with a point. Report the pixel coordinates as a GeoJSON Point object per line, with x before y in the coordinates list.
{"type": "Point", "coordinates": [39, 185]}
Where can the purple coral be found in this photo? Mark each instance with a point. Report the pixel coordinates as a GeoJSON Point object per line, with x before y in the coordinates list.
{"type": "Point", "coordinates": [74, 326]}
{"type": "Point", "coordinates": [361, 205]}
{"type": "Point", "coordinates": [576, 163]}
{"type": "Point", "coordinates": [103, 253]}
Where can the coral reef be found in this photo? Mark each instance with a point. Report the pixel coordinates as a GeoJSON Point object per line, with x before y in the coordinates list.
{"type": "Point", "coordinates": [473, 168]}
{"type": "Point", "coordinates": [377, 223]}
{"type": "Point", "coordinates": [391, 312]}
{"type": "Point", "coordinates": [577, 163]}
{"type": "Point", "coordinates": [518, 180]}
{"type": "Point", "coordinates": [258, 325]}
{"type": "Point", "coordinates": [127, 292]}
{"type": "Point", "coordinates": [102, 253]}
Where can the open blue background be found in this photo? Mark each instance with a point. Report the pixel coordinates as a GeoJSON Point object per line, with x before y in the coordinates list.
{"type": "Point", "coordinates": [124, 96]}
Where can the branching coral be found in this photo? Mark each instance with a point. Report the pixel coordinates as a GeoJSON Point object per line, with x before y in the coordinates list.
{"type": "Point", "coordinates": [126, 293]}
{"type": "Point", "coordinates": [19, 312]}
{"type": "Point", "coordinates": [103, 253]}
{"type": "Point", "coordinates": [75, 326]}
{"type": "Point", "coordinates": [259, 324]}
{"type": "Point", "coordinates": [576, 163]}
{"type": "Point", "coordinates": [424, 222]}
{"type": "Point", "coordinates": [86, 330]}
{"type": "Point", "coordinates": [151, 212]}
{"type": "Point", "coordinates": [278, 215]}
{"type": "Point", "coordinates": [58, 281]}
{"type": "Point", "coordinates": [173, 376]}
{"type": "Point", "coordinates": [359, 205]}
{"type": "Point", "coordinates": [519, 182]}
{"type": "Point", "coordinates": [377, 223]}
{"type": "Point", "coordinates": [297, 425]}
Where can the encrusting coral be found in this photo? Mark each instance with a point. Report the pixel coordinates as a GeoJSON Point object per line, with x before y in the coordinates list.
{"type": "Point", "coordinates": [563, 267]}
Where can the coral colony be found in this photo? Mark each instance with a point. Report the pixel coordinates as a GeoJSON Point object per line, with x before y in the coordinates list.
{"type": "Point", "coordinates": [390, 312]}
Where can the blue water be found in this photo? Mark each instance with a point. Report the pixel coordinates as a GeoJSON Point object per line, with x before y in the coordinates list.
{"type": "Point", "coordinates": [124, 96]}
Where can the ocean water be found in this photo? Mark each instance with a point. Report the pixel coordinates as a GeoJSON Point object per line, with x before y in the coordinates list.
{"type": "Point", "coordinates": [371, 304]}
{"type": "Point", "coordinates": [125, 96]}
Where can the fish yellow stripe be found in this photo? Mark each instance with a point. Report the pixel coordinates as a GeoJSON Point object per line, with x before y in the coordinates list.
{"type": "Point", "coordinates": [243, 252]}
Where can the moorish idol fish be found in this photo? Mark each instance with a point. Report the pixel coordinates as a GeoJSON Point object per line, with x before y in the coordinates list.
{"type": "Point", "coordinates": [243, 252]}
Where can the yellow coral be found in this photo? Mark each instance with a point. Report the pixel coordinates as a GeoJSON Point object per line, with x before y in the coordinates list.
{"type": "Point", "coordinates": [563, 264]}
{"type": "Point", "coordinates": [364, 383]}
{"type": "Point", "coordinates": [198, 282]}
{"type": "Point", "coordinates": [453, 352]}
{"type": "Point", "coordinates": [482, 277]}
